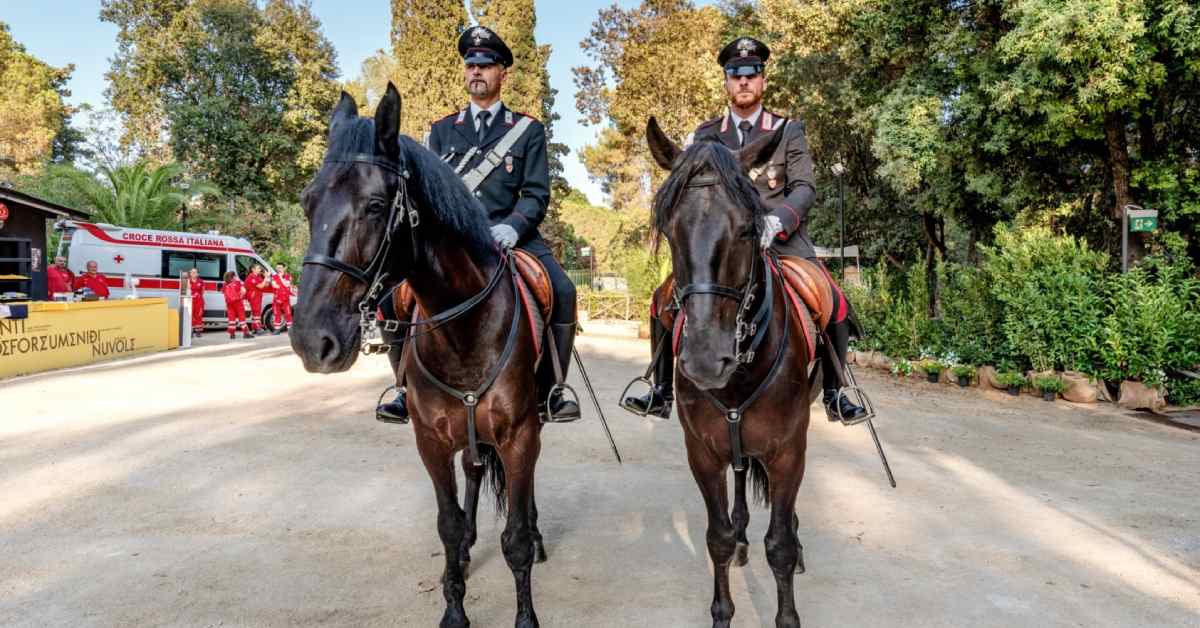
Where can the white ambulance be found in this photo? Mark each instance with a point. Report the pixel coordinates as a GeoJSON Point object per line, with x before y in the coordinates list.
{"type": "Point", "coordinates": [156, 258]}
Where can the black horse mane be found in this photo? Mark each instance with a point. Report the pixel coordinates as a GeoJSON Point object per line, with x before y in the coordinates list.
{"type": "Point", "coordinates": [438, 190]}
{"type": "Point", "coordinates": [706, 156]}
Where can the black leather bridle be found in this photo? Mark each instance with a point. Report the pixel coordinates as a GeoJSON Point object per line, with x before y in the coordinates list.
{"type": "Point", "coordinates": [402, 211]}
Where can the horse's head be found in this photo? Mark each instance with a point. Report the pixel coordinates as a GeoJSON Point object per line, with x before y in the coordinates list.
{"type": "Point", "coordinates": [711, 215]}
{"type": "Point", "coordinates": [355, 207]}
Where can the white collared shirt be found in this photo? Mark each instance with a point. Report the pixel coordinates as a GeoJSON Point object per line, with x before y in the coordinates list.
{"type": "Point", "coordinates": [476, 109]}
{"type": "Point", "coordinates": [737, 120]}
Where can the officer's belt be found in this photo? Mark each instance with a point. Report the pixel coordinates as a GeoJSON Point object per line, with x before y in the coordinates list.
{"type": "Point", "coordinates": [494, 157]}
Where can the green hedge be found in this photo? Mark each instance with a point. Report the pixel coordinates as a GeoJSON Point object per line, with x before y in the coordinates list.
{"type": "Point", "coordinates": [1040, 300]}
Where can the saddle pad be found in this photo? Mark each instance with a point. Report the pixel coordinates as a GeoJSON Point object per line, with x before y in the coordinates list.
{"type": "Point", "coordinates": [536, 279]}
{"type": "Point", "coordinates": [812, 284]}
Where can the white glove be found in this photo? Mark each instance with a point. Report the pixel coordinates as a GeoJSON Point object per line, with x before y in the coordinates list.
{"type": "Point", "coordinates": [772, 226]}
{"type": "Point", "coordinates": [505, 236]}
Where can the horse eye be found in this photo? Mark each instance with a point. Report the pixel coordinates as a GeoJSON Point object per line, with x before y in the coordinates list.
{"type": "Point", "coordinates": [377, 206]}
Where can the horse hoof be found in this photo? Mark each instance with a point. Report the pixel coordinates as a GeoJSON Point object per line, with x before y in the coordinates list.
{"type": "Point", "coordinates": [454, 620]}
{"type": "Point", "coordinates": [539, 551]}
{"type": "Point", "coordinates": [741, 555]}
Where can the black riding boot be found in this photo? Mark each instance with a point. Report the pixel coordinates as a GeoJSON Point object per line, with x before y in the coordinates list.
{"type": "Point", "coordinates": [396, 410]}
{"type": "Point", "coordinates": [658, 401]}
{"type": "Point", "coordinates": [839, 333]}
{"type": "Point", "coordinates": [563, 409]}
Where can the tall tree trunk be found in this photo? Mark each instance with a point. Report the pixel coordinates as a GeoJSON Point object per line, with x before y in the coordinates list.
{"type": "Point", "coordinates": [1118, 157]}
{"type": "Point", "coordinates": [935, 238]}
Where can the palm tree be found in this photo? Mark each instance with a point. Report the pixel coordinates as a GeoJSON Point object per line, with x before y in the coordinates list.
{"type": "Point", "coordinates": [144, 197]}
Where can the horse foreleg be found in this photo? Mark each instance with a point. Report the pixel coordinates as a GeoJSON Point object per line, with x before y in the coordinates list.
{"type": "Point", "coordinates": [539, 549]}
{"type": "Point", "coordinates": [741, 518]}
{"type": "Point", "coordinates": [709, 473]}
{"type": "Point", "coordinates": [439, 463]}
{"type": "Point", "coordinates": [474, 477]}
{"type": "Point", "coordinates": [782, 542]}
{"type": "Point", "coordinates": [520, 459]}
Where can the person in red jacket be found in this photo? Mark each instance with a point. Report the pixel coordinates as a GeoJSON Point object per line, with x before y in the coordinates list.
{"type": "Point", "coordinates": [282, 285]}
{"type": "Point", "coordinates": [93, 281]}
{"type": "Point", "coordinates": [235, 308]}
{"type": "Point", "coordinates": [256, 282]}
{"type": "Point", "coordinates": [197, 286]}
{"type": "Point", "coordinates": [58, 278]}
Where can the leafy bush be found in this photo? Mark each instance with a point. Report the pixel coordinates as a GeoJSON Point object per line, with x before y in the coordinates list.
{"type": "Point", "coordinates": [1049, 383]}
{"type": "Point", "coordinates": [1152, 324]}
{"type": "Point", "coordinates": [963, 370]}
{"type": "Point", "coordinates": [1049, 287]}
{"type": "Point", "coordinates": [971, 315]}
{"type": "Point", "coordinates": [902, 367]}
{"type": "Point", "coordinates": [1008, 379]}
{"type": "Point", "coordinates": [893, 318]}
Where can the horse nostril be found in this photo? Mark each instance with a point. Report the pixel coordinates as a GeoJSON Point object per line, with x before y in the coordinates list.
{"type": "Point", "coordinates": [329, 348]}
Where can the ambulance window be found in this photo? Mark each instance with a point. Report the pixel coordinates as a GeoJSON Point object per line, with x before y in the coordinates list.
{"type": "Point", "coordinates": [211, 266]}
{"type": "Point", "coordinates": [244, 264]}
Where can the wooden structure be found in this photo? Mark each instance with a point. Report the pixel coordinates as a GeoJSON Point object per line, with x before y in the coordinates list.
{"type": "Point", "coordinates": [23, 241]}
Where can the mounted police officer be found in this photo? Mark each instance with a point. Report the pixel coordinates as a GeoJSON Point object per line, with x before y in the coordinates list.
{"type": "Point", "coordinates": [785, 183]}
{"type": "Point", "coordinates": [501, 155]}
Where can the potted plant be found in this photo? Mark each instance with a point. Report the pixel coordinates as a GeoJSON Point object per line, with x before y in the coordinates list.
{"type": "Point", "coordinates": [902, 368]}
{"type": "Point", "coordinates": [963, 372]}
{"type": "Point", "coordinates": [1012, 381]}
{"type": "Point", "coordinates": [933, 369]}
{"type": "Point", "coordinates": [1049, 385]}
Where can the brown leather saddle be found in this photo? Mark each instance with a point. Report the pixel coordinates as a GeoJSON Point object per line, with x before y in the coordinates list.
{"type": "Point", "coordinates": [809, 288]}
{"type": "Point", "coordinates": [537, 295]}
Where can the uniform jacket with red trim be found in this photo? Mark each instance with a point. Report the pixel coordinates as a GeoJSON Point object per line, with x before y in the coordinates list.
{"type": "Point", "coordinates": [517, 191]}
{"type": "Point", "coordinates": [785, 182]}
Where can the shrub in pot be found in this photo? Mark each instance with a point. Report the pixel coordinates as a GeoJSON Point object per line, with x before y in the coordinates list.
{"type": "Point", "coordinates": [963, 373]}
{"type": "Point", "coordinates": [933, 369]}
{"type": "Point", "coordinates": [1012, 381]}
{"type": "Point", "coordinates": [1049, 385]}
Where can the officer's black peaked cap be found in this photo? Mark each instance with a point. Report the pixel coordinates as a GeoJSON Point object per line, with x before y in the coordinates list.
{"type": "Point", "coordinates": [481, 45]}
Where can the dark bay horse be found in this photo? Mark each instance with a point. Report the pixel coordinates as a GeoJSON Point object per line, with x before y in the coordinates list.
{"type": "Point", "coordinates": [743, 389]}
{"type": "Point", "coordinates": [384, 209]}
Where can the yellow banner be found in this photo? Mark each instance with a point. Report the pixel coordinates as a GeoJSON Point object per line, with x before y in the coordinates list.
{"type": "Point", "coordinates": [58, 335]}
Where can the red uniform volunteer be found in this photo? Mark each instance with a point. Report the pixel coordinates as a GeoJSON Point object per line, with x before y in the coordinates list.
{"type": "Point", "coordinates": [235, 308]}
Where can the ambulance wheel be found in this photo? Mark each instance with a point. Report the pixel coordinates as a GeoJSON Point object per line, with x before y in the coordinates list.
{"type": "Point", "coordinates": [268, 320]}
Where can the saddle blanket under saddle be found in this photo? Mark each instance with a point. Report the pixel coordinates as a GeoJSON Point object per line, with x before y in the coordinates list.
{"type": "Point", "coordinates": [537, 296]}
{"type": "Point", "coordinates": [815, 298]}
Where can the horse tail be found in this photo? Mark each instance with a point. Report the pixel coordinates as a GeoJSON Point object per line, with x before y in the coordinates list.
{"type": "Point", "coordinates": [494, 480]}
{"type": "Point", "coordinates": [760, 484]}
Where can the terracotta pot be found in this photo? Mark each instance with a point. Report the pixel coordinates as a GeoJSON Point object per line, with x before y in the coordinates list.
{"type": "Point", "coordinates": [987, 378]}
{"type": "Point", "coordinates": [1080, 389]}
{"type": "Point", "coordinates": [1138, 396]}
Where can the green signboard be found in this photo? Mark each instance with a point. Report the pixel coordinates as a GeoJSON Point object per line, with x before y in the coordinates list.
{"type": "Point", "coordinates": [1143, 220]}
{"type": "Point", "coordinates": [1143, 225]}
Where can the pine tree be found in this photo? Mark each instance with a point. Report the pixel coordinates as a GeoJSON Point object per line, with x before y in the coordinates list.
{"type": "Point", "coordinates": [32, 112]}
{"type": "Point", "coordinates": [427, 69]}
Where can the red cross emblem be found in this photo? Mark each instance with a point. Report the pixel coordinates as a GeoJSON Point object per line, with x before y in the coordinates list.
{"type": "Point", "coordinates": [118, 259]}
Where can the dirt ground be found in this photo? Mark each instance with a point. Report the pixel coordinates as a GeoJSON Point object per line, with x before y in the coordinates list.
{"type": "Point", "coordinates": [224, 486]}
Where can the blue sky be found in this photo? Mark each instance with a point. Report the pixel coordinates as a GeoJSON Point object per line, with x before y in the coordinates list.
{"type": "Point", "coordinates": [69, 31]}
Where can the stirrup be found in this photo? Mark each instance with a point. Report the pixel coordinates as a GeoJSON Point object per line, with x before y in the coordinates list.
{"type": "Point", "coordinates": [625, 396]}
{"type": "Point", "coordinates": [864, 401]}
{"type": "Point", "coordinates": [386, 419]}
{"type": "Point", "coordinates": [561, 389]}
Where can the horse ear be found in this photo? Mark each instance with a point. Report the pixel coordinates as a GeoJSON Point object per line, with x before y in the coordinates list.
{"type": "Point", "coordinates": [387, 123]}
{"type": "Point", "coordinates": [662, 148]}
{"type": "Point", "coordinates": [346, 109]}
{"type": "Point", "coordinates": [761, 149]}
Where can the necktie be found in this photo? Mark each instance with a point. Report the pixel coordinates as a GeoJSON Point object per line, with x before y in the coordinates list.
{"type": "Point", "coordinates": [745, 127]}
{"type": "Point", "coordinates": [483, 122]}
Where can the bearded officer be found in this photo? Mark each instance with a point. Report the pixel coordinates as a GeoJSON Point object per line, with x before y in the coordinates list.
{"type": "Point", "coordinates": [502, 155]}
{"type": "Point", "coordinates": [785, 184]}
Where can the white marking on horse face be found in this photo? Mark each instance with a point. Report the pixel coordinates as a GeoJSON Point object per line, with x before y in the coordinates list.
{"type": "Point", "coordinates": [325, 227]}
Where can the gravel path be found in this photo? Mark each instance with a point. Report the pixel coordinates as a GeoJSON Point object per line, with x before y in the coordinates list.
{"type": "Point", "coordinates": [224, 486]}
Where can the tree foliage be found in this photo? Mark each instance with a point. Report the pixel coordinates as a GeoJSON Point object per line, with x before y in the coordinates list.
{"type": "Point", "coordinates": [32, 111]}
{"type": "Point", "coordinates": [239, 92]}
{"type": "Point", "coordinates": [143, 196]}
